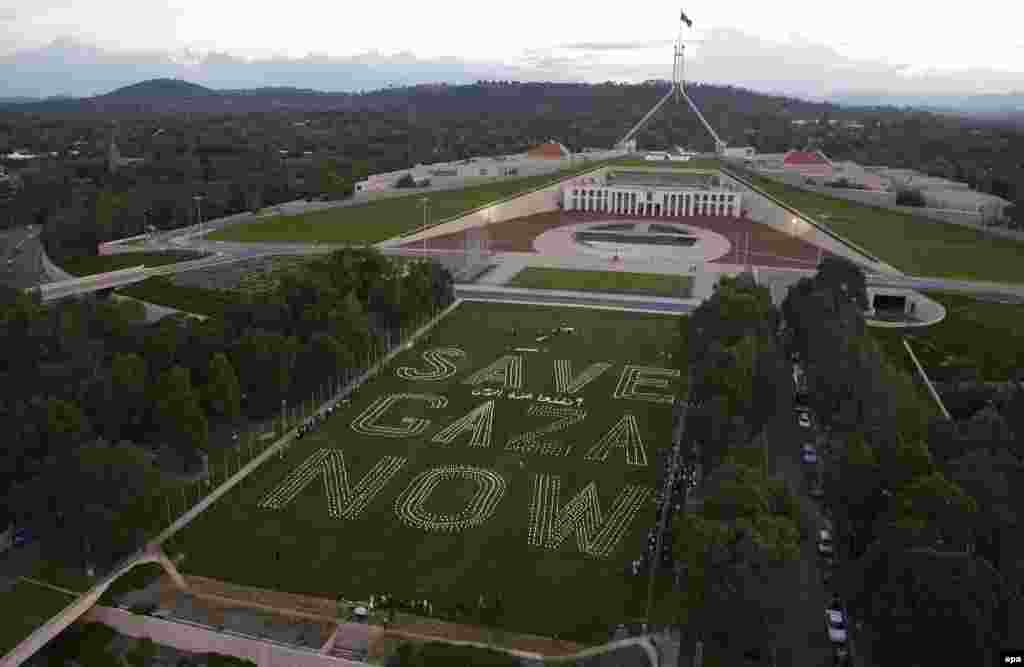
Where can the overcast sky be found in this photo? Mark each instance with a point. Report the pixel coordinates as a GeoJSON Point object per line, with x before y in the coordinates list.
{"type": "Point", "coordinates": [870, 39]}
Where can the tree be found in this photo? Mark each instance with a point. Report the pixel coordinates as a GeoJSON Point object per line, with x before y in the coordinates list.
{"type": "Point", "coordinates": [927, 605]}
{"type": "Point", "coordinates": [92, 504]}
{"type": "Point", "coordinates": [125, 393]}
{"type": "Point", "coordinates": [221, 393]}
{"type": "Point", "coordinates": [66, 426]}
{"type": "Point", "coordinates": [844, 278]}
{"type": "Point", "coordinates": [178, 414]}
{"type": "Point", "coordinates": [929, 511]}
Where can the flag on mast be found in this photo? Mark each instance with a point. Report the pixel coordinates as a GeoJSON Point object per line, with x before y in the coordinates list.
{"type": "Point", "coordinates": [685, 19]}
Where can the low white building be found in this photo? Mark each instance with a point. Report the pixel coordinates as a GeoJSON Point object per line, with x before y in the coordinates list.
{"type": "Point", "coordinates": [654, 194]}
{"type": "Point", "coordinates": [473, 169]}
{"type": "Point", "coordinates": [742, 152]}
{"type": "Point", "coordinates": [989, 207]}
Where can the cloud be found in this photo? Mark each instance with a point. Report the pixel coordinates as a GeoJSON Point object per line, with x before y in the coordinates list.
{"type": "Point", "coordinates": [797, 67]}
{"type": "Point", "coordinates": [618, 46]}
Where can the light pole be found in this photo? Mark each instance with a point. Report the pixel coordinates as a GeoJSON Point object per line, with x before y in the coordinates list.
{"type": "Point", "coordinates": [199, 211]}
{"type": "Point", "coordinates": [425, 202]}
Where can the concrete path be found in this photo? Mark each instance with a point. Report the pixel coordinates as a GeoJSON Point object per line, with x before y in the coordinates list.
{"type": "Point", "coordinates": [623, 302]}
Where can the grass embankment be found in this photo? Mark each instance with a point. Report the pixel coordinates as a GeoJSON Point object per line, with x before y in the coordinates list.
{"type": "Point", "coordinates": [709, 163]}
{"type": "Point", "coordinates": [912, 245]}
{"type": "Point", "coordinates": [393, 541]}
{"type": "Point", "coordinates": [380, 220]}
{"type": "Point", "coordinates": [975, 334]}
{"type": "Point", "coordinates": [88, 266]}
{"type": "Point", "coordinates": [649, 284]}
{"type": "Point", "coordinates": [27, 606]}
{"type": "Point", "coordinates": [201, 301]}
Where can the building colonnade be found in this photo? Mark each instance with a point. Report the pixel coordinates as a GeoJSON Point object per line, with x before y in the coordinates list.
{"type": "Point", "coordinates": [648, 203]}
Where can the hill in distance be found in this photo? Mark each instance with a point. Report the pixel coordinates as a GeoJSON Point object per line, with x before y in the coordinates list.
{"type": "Point", "coordinates": [528, 98]}
{"type": "Point", "coordinates": [158, 89]}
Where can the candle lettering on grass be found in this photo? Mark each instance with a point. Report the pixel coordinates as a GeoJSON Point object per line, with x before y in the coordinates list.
{"type": "Point", "coordinates": [506, 371]}
{"type": "Point", "coordinates": [479, 421]}
{"type": "Point", "coordinates": [366, 422]}
{"type": "Point", "coordinates": [410, 506]}
{"type": "Point", "coordinates": [565, 383]}
{"type": "Point", "coordinates": [625, 435]}
{"type": "Point", "coordinates": [531, 440]}
{"type": "Point", "coordinates": [343, 500]}
{"type": "Point", "coordinates": [438, 361]}
{"type": "Point", "coordinates": [646, 376]}
{"type": "Point", "coordinates": [597, 536]}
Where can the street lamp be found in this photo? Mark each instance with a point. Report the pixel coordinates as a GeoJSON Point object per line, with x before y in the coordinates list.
{"type": "Point", "coordinates": [425, 202]}
{"type": "Point", "coordinates": [199, 211]}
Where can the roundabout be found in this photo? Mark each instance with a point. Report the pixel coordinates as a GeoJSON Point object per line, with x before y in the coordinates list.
{"type": "Point", "coordinates": [650, 241]}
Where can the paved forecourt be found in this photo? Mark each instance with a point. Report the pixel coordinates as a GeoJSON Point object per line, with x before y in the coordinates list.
{"type": "Point", "coordinates": [480, 462]}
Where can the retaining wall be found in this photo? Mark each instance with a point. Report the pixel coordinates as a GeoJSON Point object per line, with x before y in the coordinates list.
{"type": "Point", "coordinates": [154, 312]}
{"type": "Point", "coordinates": [768, 210]}
{"type": "Point", "coordinates": [887, 200]}
{"type": "Point", "coordinates": [540, 200]}
{"type": "Point", "coordinates": [196, 638]}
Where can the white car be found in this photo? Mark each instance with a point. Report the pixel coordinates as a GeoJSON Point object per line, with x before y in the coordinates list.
{"type": "Point", "coordinates": [836, 625]}
{"type": "Point", "coordinates": [809, 455]}
{"type": "Point", "coordinates": [825, 546]}
{"type": "Point", "coordinates": [803, 419]}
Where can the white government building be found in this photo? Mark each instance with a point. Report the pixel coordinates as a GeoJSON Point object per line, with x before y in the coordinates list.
{"type": "Point", "coordinates": [653, 194]}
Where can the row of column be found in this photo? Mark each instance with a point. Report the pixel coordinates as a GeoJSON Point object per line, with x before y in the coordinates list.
{"type": "Point", "coordinates": [666, 205]}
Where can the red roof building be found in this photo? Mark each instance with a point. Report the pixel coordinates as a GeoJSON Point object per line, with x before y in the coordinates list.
{"type": "Point", "coordinates": [808, 162]}
{"type": "Point", "coordinates": [552, 150]}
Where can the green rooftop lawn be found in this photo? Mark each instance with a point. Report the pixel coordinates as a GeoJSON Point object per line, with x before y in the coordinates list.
{"type": "Point", "coordinates": [88, 266]}
{"type": "Point", "coordinates": [604, 281]}
{"type": "Point", "coordinates": [26, 607]}
{"type": "Point", "coordinates": [976, 334]}
{"type": "Point", "coordinates": [299, 547]}
{"type": "Point", "coordinates": [693, 163]}
{"type": "Point", "coordinates": [380, 220]}
{"type": "Point", "coordinates": [912, 245]}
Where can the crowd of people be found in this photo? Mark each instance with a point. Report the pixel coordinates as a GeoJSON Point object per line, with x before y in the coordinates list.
{"type": "Point", "coordinates": [683, 481]}
{"type": "Point", "coordinates": [312, 422]}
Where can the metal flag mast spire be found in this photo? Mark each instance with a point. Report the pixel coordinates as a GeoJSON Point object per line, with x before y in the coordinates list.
{"type": "Point", "coordinates": [676, 91]}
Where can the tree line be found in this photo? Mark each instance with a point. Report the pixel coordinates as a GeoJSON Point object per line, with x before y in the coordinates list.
{"type": "Point", "coordinates": [244, 161]}
{"type": "Point", "coordinates": [914, 523]}
{"type": "Point", "coordinates": [91, 393]}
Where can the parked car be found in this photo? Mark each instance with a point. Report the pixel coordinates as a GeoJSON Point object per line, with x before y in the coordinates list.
{"type": "Point", "coordinates": [840, 656]}
{"type": "Point", "coordinates": [825, 544]}
{"type": "Point", "coordinates": [803, 419]}
{"type": "Point", "coordinates": [808, 454]}
{"type": "Point", "coordinates": [836, 626]}
{"type": "Point", "coordinates": [817, 490]}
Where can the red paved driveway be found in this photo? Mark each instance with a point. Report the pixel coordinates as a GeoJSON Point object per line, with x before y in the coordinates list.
{"type": "Point", "coordinates": [752, 242]}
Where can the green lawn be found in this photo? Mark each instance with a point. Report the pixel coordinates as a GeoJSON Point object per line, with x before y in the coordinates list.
{"type": "Point", "coordinates": [27, 606]}
{"type": "Point", "coordinates": [693, 163]}
{"type": "Point", "coordinates": [604, 281]}
{"type": "Point", "coordinates": [983, 335]}
{"type": "Point", "coordinates": [912, 245]}
{"type": "Point", "coordinates": [387, 543]}
{"type": "Point", "coordinates": [383, 219]}
{"type": "Point", "coordinates": [87, 266]}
